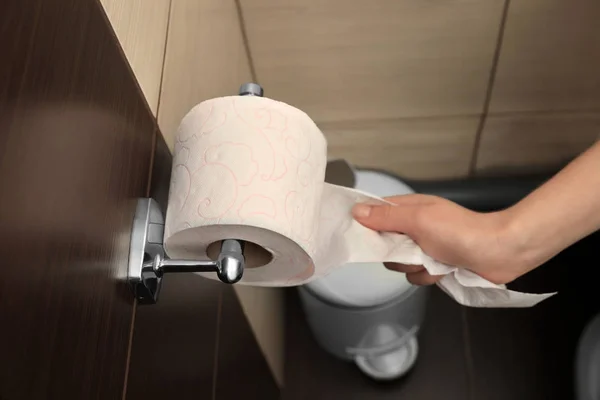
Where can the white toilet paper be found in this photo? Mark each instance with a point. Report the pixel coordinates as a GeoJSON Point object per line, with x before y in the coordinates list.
{"type": "Point", "coordinates": [252, 168]}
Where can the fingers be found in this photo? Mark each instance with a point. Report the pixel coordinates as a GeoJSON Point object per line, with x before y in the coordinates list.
{"type": "Point", "coordinates": [415, 274]}
{"type": "Point", "coordinates": [422, 278]}
{"type": "Point", "coordinates": [396, 217]}
{"type": "Point", "coordinates": [385, 218]}
{"type": "Point", "coordinates": [411, 199]}
{"type": "Point", "coordinates": [407, 269]}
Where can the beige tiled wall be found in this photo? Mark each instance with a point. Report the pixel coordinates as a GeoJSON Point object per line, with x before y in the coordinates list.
{"type": "Point", "coordinates": [550, 57]}
{"type": "Point", "coordinates": [367, 69]}
{"type": "Point", "coordinates": [545, 101]}
{"type": "Point", "coordinates": [352, 60]}
{"type": "Point", "coordinates": [400, 85]}
{"type": "Point", "coordinates": [415, 147]}
{"type": "Point", "coordinates": [535, 141]}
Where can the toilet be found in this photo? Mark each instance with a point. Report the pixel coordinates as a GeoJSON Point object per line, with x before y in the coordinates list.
{"type": "Point", "coordinates": [587, 367]}
{"type": "Point", "coordinates": [365, 313]}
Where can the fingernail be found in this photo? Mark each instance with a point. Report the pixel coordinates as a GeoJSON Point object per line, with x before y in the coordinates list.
{"type": "Point", "coordinates": [361, 211]}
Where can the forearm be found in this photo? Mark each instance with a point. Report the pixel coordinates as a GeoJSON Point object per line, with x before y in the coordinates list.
{"type": "Point", "coordinates": [560, 212]}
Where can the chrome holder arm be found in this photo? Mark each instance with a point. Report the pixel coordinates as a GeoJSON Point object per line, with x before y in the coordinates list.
{"type": "Point", "coordinates": [147, 262]}
{"type": "Point", "coordinates": [229, 267]}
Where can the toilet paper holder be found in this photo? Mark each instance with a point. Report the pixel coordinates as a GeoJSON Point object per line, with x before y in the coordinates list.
{"type": "Point", "coordinates": [147, 262]}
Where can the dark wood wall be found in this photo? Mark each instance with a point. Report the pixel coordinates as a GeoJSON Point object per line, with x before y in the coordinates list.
{"type": "Point", "coordinates": [78, 145]}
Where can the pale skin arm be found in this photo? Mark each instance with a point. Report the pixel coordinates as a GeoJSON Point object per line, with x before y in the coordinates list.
{"type": "Point", "coordinates": [499, 246]}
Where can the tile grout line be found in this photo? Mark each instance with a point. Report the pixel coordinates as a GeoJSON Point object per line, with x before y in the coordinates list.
{"type": "Point", "coordinates": [394, 119]}
{"type": "Point", "coordinates": [490, 88]}
{"type": "Point", "coordinates": [216, 355]}
{"type": "Point", "coordinates": [164, 63]}
{"type": "Point", "coordinates": [468, 353]}
{"type": "Point", "coordinates": [501, 114]}
{"type": "Point", "coordinates": [558, 111]}
{"type": "Point", "coordinates": [129, 347]}
{"type": "Point", "coordinates": [245, 40]}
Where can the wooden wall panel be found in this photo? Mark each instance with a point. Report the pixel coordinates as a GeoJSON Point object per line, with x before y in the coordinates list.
{"type": "Point", "coordinates": [205, 58]}
{"type": "Point", "coordinates": [175, 342]}
{"type": "Point", "coordinates": [531, 142]}
{"type": "Point", "coordinates": [141, 27]}
{"type": "Point", "coordinates": [550, 57]}
{"type": "Point", "coordinates": [351, 60]}
{"type": "Point", "coordinates": [76, 144]}
{"type": "Point", "coordinates": [412, 148]}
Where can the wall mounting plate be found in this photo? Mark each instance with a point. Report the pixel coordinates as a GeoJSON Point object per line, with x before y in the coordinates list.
{"type": "Point", "coordinates": [146, 244]}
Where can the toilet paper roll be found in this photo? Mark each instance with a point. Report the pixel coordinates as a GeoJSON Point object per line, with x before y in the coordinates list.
{"type": "Point", "coordinates": [251, 168]}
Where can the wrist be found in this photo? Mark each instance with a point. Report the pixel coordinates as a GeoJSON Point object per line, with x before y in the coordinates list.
{"type": "Point", "coordinates": [524, 244]}
{"type": "Point", "coordinates": [502, 248]}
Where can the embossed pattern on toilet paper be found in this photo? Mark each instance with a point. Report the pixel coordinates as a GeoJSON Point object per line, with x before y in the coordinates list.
{"type": "Point", "coordinates": [244, 162]}
{"type": "Point", "coordinates": [252, 169]}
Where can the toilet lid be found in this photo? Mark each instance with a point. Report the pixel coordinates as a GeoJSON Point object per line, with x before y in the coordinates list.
{"type": "Point", "coordinates": [365, 284]}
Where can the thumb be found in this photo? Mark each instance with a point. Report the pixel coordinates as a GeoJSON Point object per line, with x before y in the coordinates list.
{"type": "Point", "coordinates": [386, 218]}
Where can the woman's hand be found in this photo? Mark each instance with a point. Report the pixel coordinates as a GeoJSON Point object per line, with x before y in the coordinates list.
{"type": "Point", "coordinates": [497, 246]}
{"type": "Point", "coordinates": [483, 243]}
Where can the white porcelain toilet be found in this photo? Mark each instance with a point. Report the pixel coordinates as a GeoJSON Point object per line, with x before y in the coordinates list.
{"type": "Point", "coordinates": [587, 367]}
{"type": "Point", "coordinates": [364, 312]}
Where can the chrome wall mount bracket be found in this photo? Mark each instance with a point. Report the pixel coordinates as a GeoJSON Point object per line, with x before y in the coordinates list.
{"type": "Point", "coordinates": [148, 264]}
